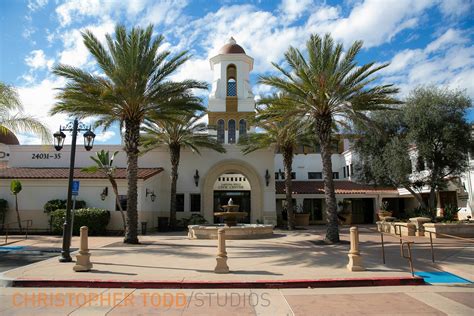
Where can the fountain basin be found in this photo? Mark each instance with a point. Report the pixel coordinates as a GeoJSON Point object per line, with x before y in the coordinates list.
{"type": "Point", "coordinates": [240, 231]}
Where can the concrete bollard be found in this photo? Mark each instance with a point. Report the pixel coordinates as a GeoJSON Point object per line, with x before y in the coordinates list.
{"type": "Point", "coordinates": [83, 259]}
{"type": "Point", "coordinates": [355, 260]}
{"type": "Point", "coordinates": [221, 266]}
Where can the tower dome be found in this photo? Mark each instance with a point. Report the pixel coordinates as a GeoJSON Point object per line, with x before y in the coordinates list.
{"type": "Point", "coordinates": [8, 138]}
{"type": "Point", "coordinates": [231, 47]}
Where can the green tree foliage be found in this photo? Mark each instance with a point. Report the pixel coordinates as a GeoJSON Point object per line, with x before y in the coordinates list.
{"type": "Point", "coordinates": [15, 189]}
{"type": "Point", "coordinates": [104, 163]}
{"type": "Point", "coordinates": [429, 132]}
{"type": "Point", "coordinates": [184, 131]}
{"type": "Point", "coordinates": [12, 116]}
{"type": "Point", "coordinates": [329, 88]}
{"type": "Point", "coordinates": [287, 135]}
{"type": "Point", "coordinates": [133, 86]}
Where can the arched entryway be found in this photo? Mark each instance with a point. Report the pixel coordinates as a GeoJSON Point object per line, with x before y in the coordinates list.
{"type": "Point", "coordinates": [232, 167]}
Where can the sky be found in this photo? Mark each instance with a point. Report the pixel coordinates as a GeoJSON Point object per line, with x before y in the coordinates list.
{"type": "Point", "coordinates": [425, 41]}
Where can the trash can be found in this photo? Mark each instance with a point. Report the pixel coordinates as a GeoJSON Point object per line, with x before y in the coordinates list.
{"type": "Point", "coordinates": [162, 224]}
{"type": "Point", "coordinates": [144, 228]}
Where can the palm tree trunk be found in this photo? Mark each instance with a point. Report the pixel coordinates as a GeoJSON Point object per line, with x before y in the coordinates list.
{"type": "Point", "coordinates": [175, 150]}
{"type": "Point", "coordinates": [288, 162]}
{"type": "Point", "coordinates": [132, 135]}
{"type": "Point", "coordinates": [323, 132]}
{"type": "Point", "coordinates": [18, 214]}
{"type": "Point", "coordinates": [117, 200]}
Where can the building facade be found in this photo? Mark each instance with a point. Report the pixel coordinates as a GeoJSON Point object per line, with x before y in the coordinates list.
{"type": "Point", "coordinates": [206, 181]}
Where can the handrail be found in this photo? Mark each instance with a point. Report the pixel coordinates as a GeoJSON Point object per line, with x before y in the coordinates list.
{"type": "Point", "coordinates": [29, 223]}
{"type": "Point", "coordinates": [403, 242]}
{"type": "Point", "coordinates": [424, 230]}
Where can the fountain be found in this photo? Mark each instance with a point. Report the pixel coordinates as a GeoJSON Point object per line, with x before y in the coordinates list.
{"type": "Point", "coordinates": [231, 213]}
{"type": "Point", "coordinates": [232, 229]}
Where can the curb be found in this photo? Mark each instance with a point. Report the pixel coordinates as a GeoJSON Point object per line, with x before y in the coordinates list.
{"type": "Point", "coordinates": [258, 284]}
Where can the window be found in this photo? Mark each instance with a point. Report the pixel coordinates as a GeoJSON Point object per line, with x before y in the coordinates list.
{"type": "Point", "coordinates": [195, 202]}
{"type": "Point", "coordinates": [220, 131]}
{"type": "Point", "coordinates": [352, 169]}
{"type": "Point", "coordinates": [335, 175]}
{"type": "Point", "coordinates": [231, 132]}
{"type": "Point", "coordinates": [242, 128]}
{"type": "Point", "coordinates": [180, 202]}
{"type": "Point", "coordinates": [344, 170]}
{"type": "Point", "coordinates": [123, 203]}
{"type": "Point", "coordinates": [315, 175]}
{"type": "Point", "coordinates": [277, 175]}
{"type": "Point", "coordinates": [420, 164]}
{"type": "Point", "coordinates": [314, 208]}
{"type": "Point", "coordinates": [293, 176]}
{"type": "Point", "coordinates": [347, 171]}
{"type": "Point", "coordinates": [231, 83]}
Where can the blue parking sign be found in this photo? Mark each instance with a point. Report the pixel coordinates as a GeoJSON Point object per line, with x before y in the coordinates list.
{"type": "Point", "coordinates": [75, 187]}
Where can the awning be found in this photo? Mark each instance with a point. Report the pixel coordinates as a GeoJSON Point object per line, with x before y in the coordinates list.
{"type": "Point", "coordinates": [63, 173]}
{"type": "Point", "coordinates": [341, 187]}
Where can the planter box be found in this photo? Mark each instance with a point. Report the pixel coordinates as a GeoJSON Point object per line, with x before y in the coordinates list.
{"type": "Point", "coordinates": [407, 229]}
{"type": "Point", "coordinates": [301, 219]}
{"type": "Point", "coordinates": [456, 229]}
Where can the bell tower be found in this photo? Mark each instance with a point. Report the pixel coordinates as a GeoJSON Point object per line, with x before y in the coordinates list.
{"type": "Point", "coordinates": [231, 101]}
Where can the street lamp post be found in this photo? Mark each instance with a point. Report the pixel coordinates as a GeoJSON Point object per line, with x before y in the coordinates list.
{"type": "Point", "coordinates": [59, 137]}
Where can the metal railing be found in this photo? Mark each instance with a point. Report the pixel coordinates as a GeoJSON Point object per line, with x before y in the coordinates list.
{"type": "Point", "coordinates": [6, 227]}
{"type": "Point", "coordinates": [416, 229]}
{"type": "Point", "coordinates": [403, 242]}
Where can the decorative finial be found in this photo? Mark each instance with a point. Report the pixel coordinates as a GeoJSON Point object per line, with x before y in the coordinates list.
{"type": "Point", "coordinates": [231, 40]}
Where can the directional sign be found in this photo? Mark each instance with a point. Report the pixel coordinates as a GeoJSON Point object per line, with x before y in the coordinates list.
{"type": "Point", "coordinates": [75, 187]}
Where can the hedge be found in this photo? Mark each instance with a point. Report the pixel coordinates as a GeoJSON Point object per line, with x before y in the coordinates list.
{"type": "Point", "coordinates": [53, 205]}
{"type": "Point", "coordinates": [95, 219]}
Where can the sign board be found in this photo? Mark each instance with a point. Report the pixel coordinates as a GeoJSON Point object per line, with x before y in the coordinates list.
{"type": "Point", "coordinates": [75, 187]}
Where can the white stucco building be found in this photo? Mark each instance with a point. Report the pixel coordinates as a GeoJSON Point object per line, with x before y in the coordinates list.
{"type": "Point", "coordinates": [205, 181]}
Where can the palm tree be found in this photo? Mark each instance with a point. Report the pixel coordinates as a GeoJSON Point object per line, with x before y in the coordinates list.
{"type": "Point", "coordinates": [18, 122]}
{"type": "Point", "coordinates": [184, 132]}
{"type": "Point", "coordinates": [105, 165]}
{"type": "Point", "coordinates": [329, 89]}
{"type": "Point", "coordinates": [287, 135]}
{"type": "Point", "coordinates": [133, 87]}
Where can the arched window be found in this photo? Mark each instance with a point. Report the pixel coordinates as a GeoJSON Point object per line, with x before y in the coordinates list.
{"type": "Point", "coordinates": [231, 81]}
{"type": "Point", "coordinates": [231, 132]}
{"type": "Point", "coordinates": [242, 127]}
{"type": "Point", "coordinates": [220, 131]}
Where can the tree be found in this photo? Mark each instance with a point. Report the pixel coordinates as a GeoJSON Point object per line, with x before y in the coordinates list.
{"type": "Point", "coordinates": [382, 150]}
{"type": "Point", "coordinates": [184, 132]}
{"type": "Point", "coordinates": [330, 89]}
{"type": "Point", "coordinates": [426, 143]}
{"type": "Point", "coordinates": [15, 189]}
{"type": "Point", "coordinates": [18, 122]}
{"type": "Point", "coordinates": [287, 135]}
{"type": "Point", "coordinates": [437, 126]}
{"type": "Point", "coordinates": [105, 165]}
{"type": "Point", "coordinates": [133, 87]}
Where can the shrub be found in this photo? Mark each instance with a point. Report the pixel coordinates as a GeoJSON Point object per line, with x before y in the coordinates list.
{"type": "Point", "coordinates": [95, 219]}
{"type": "Point", "coordinates": [450, 213]}
{"type": "Point", "coordinates": [194, 219]}
{"type": "Point", "coordinates": [53, 205]}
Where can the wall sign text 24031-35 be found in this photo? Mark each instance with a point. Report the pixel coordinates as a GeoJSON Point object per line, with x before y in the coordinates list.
{"type": "Point", "coordinates": [46, 156]}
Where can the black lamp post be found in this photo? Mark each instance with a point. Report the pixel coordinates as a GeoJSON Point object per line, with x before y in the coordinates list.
{"type": "Point", "coordinates": [59, 137]}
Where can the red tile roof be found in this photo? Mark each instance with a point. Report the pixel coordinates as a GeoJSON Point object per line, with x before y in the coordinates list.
{"type": "Point", "coordinates": [341, 187]}
{"type": "Point", "coordinates": [63, 173]}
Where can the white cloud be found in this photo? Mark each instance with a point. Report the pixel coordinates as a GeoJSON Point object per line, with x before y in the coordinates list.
{"type": "Point", "coordinates": [294, 9]}
{"type": "Point", "coordinates": [165, 12]}
{"type": "Point", "coordinates": [448, 60]}
{"type": "Point", "coordinates": [37, 60]}
{"type": "Point", "coordinates": [34, 5]}
{"type": "Point", "coordinates": [450, 37]}
{"type": "Point", "coordinates": [75, 53]}
{"type": "Point", "coordinates": [452, 8]}
{"type": "Point", "coordinates": [102, 137]}
{"type": "Point", "coordinates": [373, 21]}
